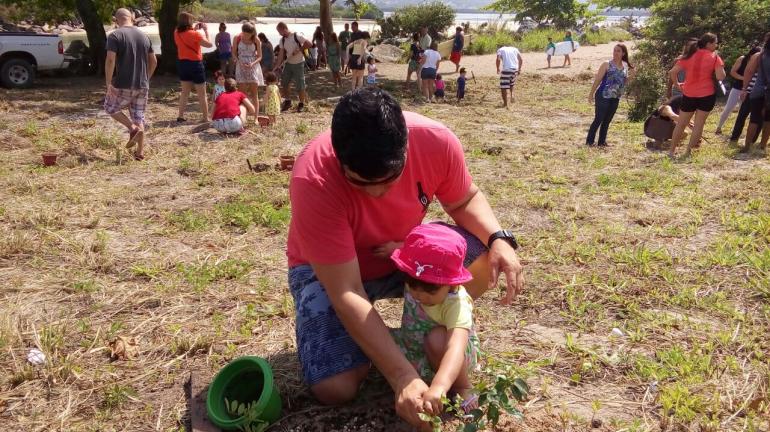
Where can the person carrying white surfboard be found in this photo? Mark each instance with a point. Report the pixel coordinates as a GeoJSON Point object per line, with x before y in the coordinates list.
{"type": "Point", "coordinates": [510, 59]}
{"type": "Point", "coordinates": [550, 49]}
{"type": "Point", "coordinates": [568, 38]}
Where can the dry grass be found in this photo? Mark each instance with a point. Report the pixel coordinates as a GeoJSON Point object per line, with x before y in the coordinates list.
{"type": "Point", "coordinates": [185, 252]}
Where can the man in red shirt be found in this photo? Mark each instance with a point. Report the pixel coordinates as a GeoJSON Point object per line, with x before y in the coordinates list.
{"type": "Point", "coordinates": [356, 191]}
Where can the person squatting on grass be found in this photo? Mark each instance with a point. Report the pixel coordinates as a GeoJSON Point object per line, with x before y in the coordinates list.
{"type": "Point", "coordinates": [356, 191]}
{"type": "Point", "coordinates": [437, 333]}
{"type": "Point", "coordinates": [606, 91]}
{"type": "Point", "coordinates": [511, 61]}
{"type": "Point", "coordinates": [701, 65]}
{"type": "Point", "coordinates": [190, 62]}
{"type": "Point", "coordinates": [759, 98]}
{"type": "Point", "coordinates": [230, 110]}
{"type": "Point", "coordinates": [128, 68]}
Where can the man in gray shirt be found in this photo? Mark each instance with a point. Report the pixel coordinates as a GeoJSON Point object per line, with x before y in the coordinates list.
{"type": "Point", "coordinates": [130, 64]}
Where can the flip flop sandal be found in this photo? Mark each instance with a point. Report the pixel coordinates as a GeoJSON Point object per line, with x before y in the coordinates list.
{"type": "Point", "coordinates": [466, 405]}
{"type": "Point", "coordinates": [138, 157]}
{"type": "Point", "coordinates": [132, 136]}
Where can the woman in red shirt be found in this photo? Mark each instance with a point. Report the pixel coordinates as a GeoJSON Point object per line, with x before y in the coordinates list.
{"type": "Point", "coordinates": [700, 64]}
{"type": "Point", "coordinates": [190, 62]}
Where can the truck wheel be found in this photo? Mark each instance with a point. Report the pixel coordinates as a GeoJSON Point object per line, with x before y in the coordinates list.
{"type": "Point", "coordinates": [17, 73]}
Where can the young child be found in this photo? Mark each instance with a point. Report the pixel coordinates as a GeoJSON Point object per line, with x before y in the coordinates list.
{"type": "Point", "coordinates": [230, 110]}
{"type": "Point", "coordinates": [219, 88]}
{"type": "Point", "coordinates": [440, 86]}
{"type": "Point", "coordinates": [548, 48]}
{"type": "Point", "coordinates": [314, 57]}
{"type": "Point", "coordinates": [461, 85]}
{"type": "Point", "coordinates": [371, 69]}
{"type": "Point", "coordinates": [437, 332]}
{"type": "Point", "coordinates": [272, 97]}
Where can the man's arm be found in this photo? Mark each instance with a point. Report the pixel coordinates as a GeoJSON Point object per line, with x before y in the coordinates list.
{"type": "Point", "coordinates": [346, 292]}
{"type": "Point", "coordinates": [497, 63]}
{"type": "Point", "coordinates": [521, 61]}
{"type": "Point", "coordinates": [152, 64]}
{"type": "Point", "coordinates": [109, 67]}
{"type": "Point", "coordinates": [475, 214]}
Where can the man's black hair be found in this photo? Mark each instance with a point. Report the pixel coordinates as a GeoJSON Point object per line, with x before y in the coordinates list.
{"type": "Point", "coordinates": [369, 133]}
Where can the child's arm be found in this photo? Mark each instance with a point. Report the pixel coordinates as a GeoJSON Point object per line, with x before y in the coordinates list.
{"type": "Point", "coordinates": [451, 366]}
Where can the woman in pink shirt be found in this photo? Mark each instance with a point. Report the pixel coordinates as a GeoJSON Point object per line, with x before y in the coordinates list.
{"type": "Point", "coordinates": [701, 65]}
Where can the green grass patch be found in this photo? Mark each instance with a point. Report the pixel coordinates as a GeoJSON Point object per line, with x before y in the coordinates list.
{"type": "Point", "coordinates": [189, 220]}
{"type": "Point", "coordinates": [244, 214]}
{"type": "Point", "coordinates": [204, 274]}
{"type": "Point", "coordinates": [537, 40]}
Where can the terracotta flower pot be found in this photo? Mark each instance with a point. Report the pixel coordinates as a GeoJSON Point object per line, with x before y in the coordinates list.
{"type": "Point", "coordinates": [263, 121]}
{"type": "Point", "coordinates": [49, 159]}
{"type": "Point", "coordinates": [287, 162]}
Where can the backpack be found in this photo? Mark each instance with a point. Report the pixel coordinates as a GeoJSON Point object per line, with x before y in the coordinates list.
{"type": "Point", "coordinates": [658, 128]}
{"type": "Point", "coordinates": [296, 41]}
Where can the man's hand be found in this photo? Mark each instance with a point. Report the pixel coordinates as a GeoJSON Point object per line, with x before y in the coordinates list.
{"type": "Point", "coordinates": [409, 401]}
{"type": "Point", "coordinates": [503, 259]}
{"type": "Point", "coordinates": [432, 401]}
{"type": "Point", "coordinates": [384, 251]}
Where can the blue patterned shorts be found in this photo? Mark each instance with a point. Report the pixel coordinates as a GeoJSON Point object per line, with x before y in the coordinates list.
{"type": "Point", "coordinates": [324, 346]}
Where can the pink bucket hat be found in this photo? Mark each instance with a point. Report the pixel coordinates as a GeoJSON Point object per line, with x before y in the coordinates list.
{"type": "Point", "coordinates": [433, 253]}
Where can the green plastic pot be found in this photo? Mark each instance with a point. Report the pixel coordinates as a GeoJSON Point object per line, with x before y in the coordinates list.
{"type": "Point", "coordinates": [245, 379]}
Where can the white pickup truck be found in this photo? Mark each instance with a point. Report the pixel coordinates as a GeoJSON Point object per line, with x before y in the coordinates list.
{"type": "Point", "coordinates": [23, 54]}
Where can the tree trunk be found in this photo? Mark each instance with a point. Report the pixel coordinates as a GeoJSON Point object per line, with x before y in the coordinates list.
{"type": "Point", "coordinates": [326, 20]}
{"type": "Point", "coordinates": [167, 16]}
{"type": "Point", "coordinates": [97, 38]}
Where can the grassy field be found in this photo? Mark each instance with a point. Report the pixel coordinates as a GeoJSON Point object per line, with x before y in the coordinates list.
{"type": "Point", "coordinates": [183, 256]}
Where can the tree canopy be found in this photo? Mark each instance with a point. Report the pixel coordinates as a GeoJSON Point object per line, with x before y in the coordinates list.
{"type": "Point", "coordinates": [562, 13]}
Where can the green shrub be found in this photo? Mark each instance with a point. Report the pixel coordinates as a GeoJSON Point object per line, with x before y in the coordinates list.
{"type": "Point", "coordinates": [648, 85]}
{"type": "Point", "coordinates": [409, 19]}
{"type": "Point", "coordinates": [537, 40]}
{"type": "Point", "coordinates": [737, 23]}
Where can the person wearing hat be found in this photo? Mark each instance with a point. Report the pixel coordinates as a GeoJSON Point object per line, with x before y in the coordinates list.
{"type": "Point", "coordinates": [437, 332]}
{"type": "Point", "coordinates": [357, 190]}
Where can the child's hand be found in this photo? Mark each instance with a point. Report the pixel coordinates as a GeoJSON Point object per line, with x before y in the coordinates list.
{"type": "Point", "coordinates": [384, 251]}
{"type": "Point", "coordinates": [432, 401]}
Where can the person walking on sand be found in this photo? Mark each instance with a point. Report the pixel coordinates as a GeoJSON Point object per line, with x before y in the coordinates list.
{"type": "Point", "coordinates": [457, 48]}
{"type": "Point", "coordinates": [128, 68]}
{"type": "Point", "coordinates": [248, 55]}
{"type": "Point", "coordinates": [414, 62]}
{"type": "Point", "coordinates": [192, 73]}
{"type": "Point", "coordinates": [291, 58]}
{"type": "Point", "coordinates": [609, 85]}
{"type": "Point", "coordinates": [511, 61]}
{"type": "Point", "coordinates": [567, 59]}
{"type": "Point", "coordinates": [701, 65]}
{"type": "Point", "coordinates": [551, 46]}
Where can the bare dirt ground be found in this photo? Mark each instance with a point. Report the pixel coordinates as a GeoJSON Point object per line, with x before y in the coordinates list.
{"type": "Point", "coordinates": [184, 253]}
{"type": "Point", "coordinates": [585, 59]}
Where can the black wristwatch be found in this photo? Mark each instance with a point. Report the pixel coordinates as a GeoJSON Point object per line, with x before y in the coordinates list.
{"type": "Point", "coordinates": [503, 235]}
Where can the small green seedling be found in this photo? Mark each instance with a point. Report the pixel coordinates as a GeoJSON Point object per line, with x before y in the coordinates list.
{"type": "Point", "coordinates": [249, 411]}
{"type": "Point", "coordinates": [493, 400]}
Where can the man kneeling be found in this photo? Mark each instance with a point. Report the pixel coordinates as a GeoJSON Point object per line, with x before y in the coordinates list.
{"type": "Point", "coordinates": [230, 109]}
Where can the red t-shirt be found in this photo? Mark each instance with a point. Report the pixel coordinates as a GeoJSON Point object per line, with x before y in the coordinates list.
{"type": "Point", "coordinates": [228, 105]}
{"type": "Point", "coordinates": [188, 45]}
{"type": "Point", "coordinates": [332, 222]}
{"type": "Point", "coordinates": [699, 73]}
